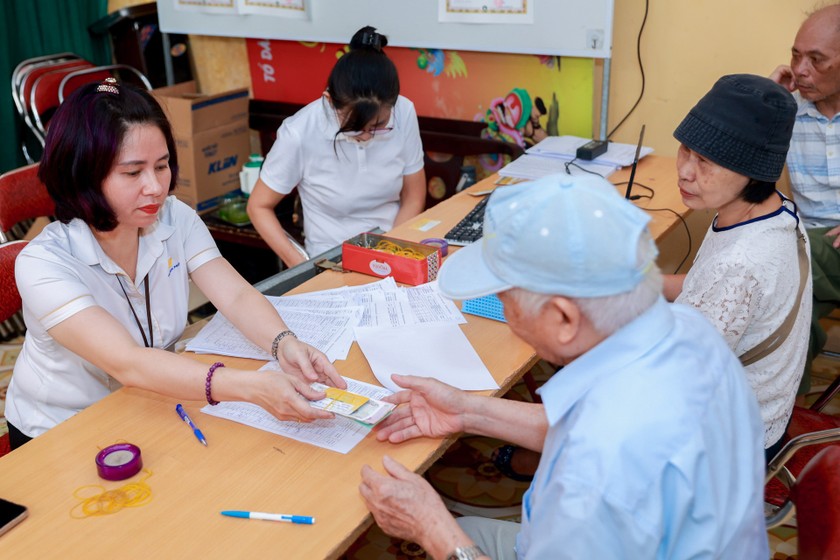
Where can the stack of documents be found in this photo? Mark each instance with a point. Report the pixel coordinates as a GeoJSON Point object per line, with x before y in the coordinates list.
{"type": "Point", "coordinates": [556, 154]}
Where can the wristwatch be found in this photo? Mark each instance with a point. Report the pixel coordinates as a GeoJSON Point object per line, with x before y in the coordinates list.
{"type": "Point", "coordinates": [466, 553]}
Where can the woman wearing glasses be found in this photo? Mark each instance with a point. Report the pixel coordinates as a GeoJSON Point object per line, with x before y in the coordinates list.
{"type": "Point", "coordinates": [354, 154]}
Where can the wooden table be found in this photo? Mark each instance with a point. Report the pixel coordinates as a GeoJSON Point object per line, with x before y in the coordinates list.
{"type": "Point", "coordinates": [242, 468]}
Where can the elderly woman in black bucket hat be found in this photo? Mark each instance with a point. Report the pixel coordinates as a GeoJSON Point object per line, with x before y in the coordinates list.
{"type": "Point", "coordinates": [751, 277]}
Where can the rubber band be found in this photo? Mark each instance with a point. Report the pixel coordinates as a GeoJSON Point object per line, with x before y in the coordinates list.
{"type": "Point", "coordinates": [394, 249]}
{"type": "Point", "coordinates": [106, 502]}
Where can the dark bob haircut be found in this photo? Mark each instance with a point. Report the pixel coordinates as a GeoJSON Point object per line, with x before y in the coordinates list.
{"type": "Point", "coordinates": [84, 140]}
{"type": "Point", "coordinates": [363, 81]}
{"type": "Point", "coordinates": [758, 191]}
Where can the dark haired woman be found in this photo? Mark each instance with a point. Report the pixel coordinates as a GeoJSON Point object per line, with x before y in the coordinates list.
{"type": "Point", "coordinates": [746, 278]}
{"type": "Point", "coordinates": [354, 154]}
{"type": "Point", "coordinates": [105, 288]}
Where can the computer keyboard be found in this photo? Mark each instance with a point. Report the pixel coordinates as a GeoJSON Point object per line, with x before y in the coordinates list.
{"type": "Point", "coordinates": [470, 228]}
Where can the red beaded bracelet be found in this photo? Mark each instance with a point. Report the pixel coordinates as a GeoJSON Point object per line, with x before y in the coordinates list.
{"type": "Point", "coordinates": [207, 392]}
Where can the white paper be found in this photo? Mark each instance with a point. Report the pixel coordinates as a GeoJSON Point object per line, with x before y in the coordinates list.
{"type": "Point", "coordinates": [319, 329]}
{"type": "Point", "coordinates": [338, 434]}
{"type": "Point", "coordinates": [440, 351]}
{"type": "Point", "coordinates": [227, 7]}
{"type": "Point", "coordinates": [279, 8]}
{"type": "Point", "coordinates": [529, 166]}
{"type": "Point", "coordinates": [430, 306]}
{"type": "Point", "coordinates": [486, 11]}
{"type": "Point", "coordinates": [565, 147]}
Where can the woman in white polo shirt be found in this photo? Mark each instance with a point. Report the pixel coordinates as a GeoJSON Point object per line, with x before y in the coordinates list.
{"type": "Point", "coordinates": [105, 288]}
{"type": "Point", "coordinates": [354, 155]}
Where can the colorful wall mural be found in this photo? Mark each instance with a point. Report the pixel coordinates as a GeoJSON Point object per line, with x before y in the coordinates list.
{"type": "Point", "coordinates": [522, 98]}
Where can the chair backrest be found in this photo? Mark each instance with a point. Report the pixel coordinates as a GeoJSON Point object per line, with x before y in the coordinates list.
{"type": "Point", "coordinates": [448, 152]}
{"type": "Point", "coordinates": [22, 197]}
{"type": "Point", "coordinates": [43, 96]}
{"type": "Point", "coordinates": [122, 72]}
{"type": "Point", "coordinates": [23, 68]}
{"type": "Point", "coordinates": [817, 498]}
{"type": "Point", "coordinates": [9, 297]}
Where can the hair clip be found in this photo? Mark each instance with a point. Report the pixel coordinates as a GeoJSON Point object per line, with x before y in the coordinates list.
{"type": "Point", "coordinates": [108, 85]}
{"type": "Point", "coordinates": [372, 39]}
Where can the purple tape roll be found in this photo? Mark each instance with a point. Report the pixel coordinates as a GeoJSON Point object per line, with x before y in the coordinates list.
{"type": "Point", "coordinates": [437, 242]}
{"type": "Point", "coordinates": [119, 461]}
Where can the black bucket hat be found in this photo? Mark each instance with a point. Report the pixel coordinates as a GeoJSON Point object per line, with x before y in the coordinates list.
{"type": "Point", "coordinates": [744, 124]}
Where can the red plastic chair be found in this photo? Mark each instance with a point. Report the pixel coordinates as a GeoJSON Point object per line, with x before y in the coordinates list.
{"type": "Point", "coordinates": [122, 72]}
{"type": "Point", "coordinates": [810, 432]}
{"type": "Point", "coordinates": [22, 197]}
{"type": "Point", "coordinates": [817, 498]}
{"type": "Point", "coordinates": [10, 303]}
{"type": "Point", "coordinates": [43, 95]}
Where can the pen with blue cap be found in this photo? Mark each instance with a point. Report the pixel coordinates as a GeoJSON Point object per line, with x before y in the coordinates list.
{"type": "Point", "coordinates": [299, 519]}
{"type": "Point", "coordinates": [182, 413]}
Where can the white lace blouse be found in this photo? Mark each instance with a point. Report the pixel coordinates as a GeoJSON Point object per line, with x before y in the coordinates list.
{"type": "Point", "coordinates": [744, 280]}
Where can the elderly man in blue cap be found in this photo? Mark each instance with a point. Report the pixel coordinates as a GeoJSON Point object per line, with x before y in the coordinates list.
{"type": "Point", "coordinates": [650, 436]}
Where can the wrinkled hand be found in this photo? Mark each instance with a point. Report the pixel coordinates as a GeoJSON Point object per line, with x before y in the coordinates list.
{"type": "Point", "coordinates": [433, 409]}
{"type": "Point", "coordinates": [404, 504]}
{"type": "Point", "coordinates": [783, 76]}
{"type": "Point", "coordinates": [299, 358]}
{"type": "Point", "coordinates": [287, 397]}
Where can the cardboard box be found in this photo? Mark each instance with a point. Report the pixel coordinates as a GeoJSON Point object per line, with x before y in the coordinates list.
{"type": "Point", "coordinates": [212, 139]}
{"type": "Point", "coordinates": [377, 255]}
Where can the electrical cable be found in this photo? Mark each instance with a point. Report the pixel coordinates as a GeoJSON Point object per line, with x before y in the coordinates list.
{"type": "Point", "coordinates": [674, 212]}
{"type": "Point", "coordinates": [641, 70]}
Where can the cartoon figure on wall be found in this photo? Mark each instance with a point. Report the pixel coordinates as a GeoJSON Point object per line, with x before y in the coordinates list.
{"type": "Point", "coordinates": [516, 118]}
{"type": "Point", "coordinates": [436, 61]}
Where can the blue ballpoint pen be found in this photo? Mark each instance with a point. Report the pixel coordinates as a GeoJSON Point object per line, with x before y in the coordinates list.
{"type": "Point", "coordinates": [299, 519]}
{"type": "Point", "coordinates": [182, 413]}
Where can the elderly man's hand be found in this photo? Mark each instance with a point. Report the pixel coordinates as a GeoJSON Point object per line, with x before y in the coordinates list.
{"type": "Point", "coordinates": [406, 506]}
{"type": "Point", "coordinates": [783, 75]}
{"type": "Point", "coordinates": [434, 409]}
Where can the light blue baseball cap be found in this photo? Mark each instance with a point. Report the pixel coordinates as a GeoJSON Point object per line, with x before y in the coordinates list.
{"type": "Point", "coordinates": [563, 235]}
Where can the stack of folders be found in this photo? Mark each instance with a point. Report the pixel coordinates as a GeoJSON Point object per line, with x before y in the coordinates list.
{"type": "Point", "coordinates": [556, 154]}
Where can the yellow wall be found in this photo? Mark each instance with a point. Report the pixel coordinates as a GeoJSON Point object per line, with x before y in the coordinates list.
{"type": "Point", "coordinates": [686, 46]}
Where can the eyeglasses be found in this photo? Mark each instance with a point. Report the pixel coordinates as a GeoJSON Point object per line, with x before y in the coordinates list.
{"type": "Point", "coordinates": [373, 131]}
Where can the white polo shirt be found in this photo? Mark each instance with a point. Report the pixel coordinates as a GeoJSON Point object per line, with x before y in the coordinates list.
{"type": "Point", "coordinates": [346, 187]}
{"type": "Point", "coordinates": [63, 271]}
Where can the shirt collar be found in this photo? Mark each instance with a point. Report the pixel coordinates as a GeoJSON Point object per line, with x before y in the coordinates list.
{"type": "Point", "coordinates": [88, 250]}
{"type": "Point", "coordinates": [605, 360]}
{"type": "Point", "coordinates": [808, 108]}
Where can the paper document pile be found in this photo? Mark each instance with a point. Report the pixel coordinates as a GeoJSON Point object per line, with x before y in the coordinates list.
{"type": "Point", "coordinates": [556, 154]}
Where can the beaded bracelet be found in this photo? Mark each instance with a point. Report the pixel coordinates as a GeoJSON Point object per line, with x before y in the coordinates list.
{"type": "Point", "coordinates": [207, 392]}
{"type": "Point", "coordinates": [277, 340]}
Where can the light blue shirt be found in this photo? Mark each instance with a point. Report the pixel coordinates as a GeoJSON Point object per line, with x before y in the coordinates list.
{"type": "Point", "coordinates": [655, 449]}
{"type": "Point", "coordinates": [814, 165]}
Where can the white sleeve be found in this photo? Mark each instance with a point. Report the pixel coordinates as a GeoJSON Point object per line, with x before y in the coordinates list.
{"type": "Point", "coordinates": [283, 167]}
{"type": "Point", "coordinates": [50, 290]}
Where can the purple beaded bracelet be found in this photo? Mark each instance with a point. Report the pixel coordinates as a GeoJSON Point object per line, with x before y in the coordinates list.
{"type": "Point", "coordinates": [207, 392]}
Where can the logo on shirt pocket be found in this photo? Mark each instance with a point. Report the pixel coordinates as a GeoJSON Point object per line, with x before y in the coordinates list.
{"type": "Point", "coordinates": [171, 266]}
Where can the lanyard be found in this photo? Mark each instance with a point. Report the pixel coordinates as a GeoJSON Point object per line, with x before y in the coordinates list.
{"type": "Point", "coordinates": [148, 312]}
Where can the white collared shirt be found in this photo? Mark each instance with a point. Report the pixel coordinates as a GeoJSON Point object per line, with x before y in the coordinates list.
{"type": "Point", "coordinates": [63, 271]}
{"type": "Point", "coordinates": [346, 187]}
